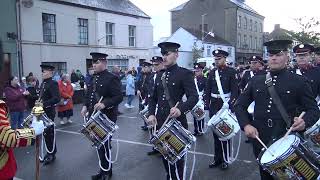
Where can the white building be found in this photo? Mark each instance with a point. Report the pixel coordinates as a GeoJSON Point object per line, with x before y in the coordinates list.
{"type": "Point", "coordinates": [64, 32]}
{"type": "Point", "coordinates": [190, 39]}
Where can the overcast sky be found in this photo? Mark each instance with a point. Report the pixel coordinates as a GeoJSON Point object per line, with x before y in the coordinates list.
{"type": "Point", "coordinates": [275, 12]}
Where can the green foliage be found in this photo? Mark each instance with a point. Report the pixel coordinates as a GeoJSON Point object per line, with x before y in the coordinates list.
{"type": "Point", "coordinates": [307, 32]}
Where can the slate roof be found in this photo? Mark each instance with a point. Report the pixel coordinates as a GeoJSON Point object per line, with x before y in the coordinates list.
{"type": "Point", "coordinates": [124, 7]}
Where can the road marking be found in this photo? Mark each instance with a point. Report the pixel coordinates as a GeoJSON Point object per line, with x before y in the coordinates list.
{"type": "Point", "coordinates": [149, 145]}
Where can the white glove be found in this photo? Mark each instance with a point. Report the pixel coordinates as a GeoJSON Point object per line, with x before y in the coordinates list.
{"type": "Point", "coordinates": [38, 127]}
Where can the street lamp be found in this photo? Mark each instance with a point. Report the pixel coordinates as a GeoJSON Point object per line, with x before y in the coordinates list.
{"type": "Point", "coordinates": [202, 25]}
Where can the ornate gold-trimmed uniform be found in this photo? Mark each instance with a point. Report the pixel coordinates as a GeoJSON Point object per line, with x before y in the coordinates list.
{"type": "Point", "coordinates": [10, 139]}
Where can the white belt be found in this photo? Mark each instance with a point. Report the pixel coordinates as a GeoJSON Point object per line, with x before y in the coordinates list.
{"type": "Point", "coordinates": [219, 96]}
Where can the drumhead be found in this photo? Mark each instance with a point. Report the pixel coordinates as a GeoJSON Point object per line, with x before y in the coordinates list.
{"type": "Point", "coordinates": [278, 149]}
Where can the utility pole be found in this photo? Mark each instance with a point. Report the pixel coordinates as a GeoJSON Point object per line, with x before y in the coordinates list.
{"type": "Point", "coordinates": [202, 26]}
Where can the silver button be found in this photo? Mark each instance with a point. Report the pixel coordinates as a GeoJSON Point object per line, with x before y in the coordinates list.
{"type": "Point", "coordinates": [269, 106]}
{"type": "Point", "coordinates": [163, 99]}
{"type": "Point", "coordinates": [270, 102]}
{"type": "Point", "coordinates": [167, 82]}
{"type": "Point", "coordinates": [100, 85]}
{"type": "Point", "coordinates": [167, 79]}
{"type": "Point", "coordinates": [275, 76]}
{"type": "Point", "coordinates": [164, 96]}
{"type": "Point", "coordinates": [268, 111]}
{"type": "Point", "coordinates": [274, 80]}
{"type": "Point", "coordinates": [274, 84]}
{"type": "Point", "coordinates": [270, 98]}
{"type": "Point", "coordinates": [173, 84]}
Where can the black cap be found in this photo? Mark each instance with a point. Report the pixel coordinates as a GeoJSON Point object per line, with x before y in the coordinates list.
{"type": "Point", "coordinates": [156, 59]}
{"type": "Point", "coordinates": [256, 58]}
{"type": "Point", "coordinates": [303, 49]}
{"type": "Point", "coordinates": [146, 64]}
{"type": "Point", "coordinates": [277, 46]}
{"type": "Point", "coordinates": [168, 47]}
{"type": "Point", "coordinates": [198, 66]}
{"type": "Point", "coordinates": [219, 52]}
{"type": "Point", "coordinates": [96, 56]}
{"type": "Point", "coordinates": [317, 50]}
{"type": "Point", "coordinates": [47, 67]}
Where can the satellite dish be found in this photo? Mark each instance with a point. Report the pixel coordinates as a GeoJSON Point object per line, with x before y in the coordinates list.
{"type": "Point", "coordinates": [27, 3]}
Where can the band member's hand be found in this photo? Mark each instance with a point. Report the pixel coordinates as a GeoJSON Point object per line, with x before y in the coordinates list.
{"type": "Point", "coordinates": [26, 93]}
{"type": "Point", "coordinates": [83, 111]}
{"type": "Point", "coordinates": [298, 125]}
{"type": "Point", "coordinates": [99, 106]}
{"type": "Point", "coordinates": [251, 131]}
{"type": "Point", "coordinates": [139, 93]}
{"type": "Point", "coordinates": [175, 112]}
{"type": "Point", "coordinates": [152, 120]}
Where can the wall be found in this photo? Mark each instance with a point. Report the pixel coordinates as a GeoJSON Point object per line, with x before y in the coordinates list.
{"type": "Point", "coordinates": [67, 49]}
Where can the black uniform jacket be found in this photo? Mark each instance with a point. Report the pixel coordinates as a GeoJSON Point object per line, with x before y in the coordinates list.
{"type": "Point", "coordinates": [107, 85]}
{"type": "Point", "coordinates": [179, 82]}
{"type": "Point", "coordinates": [295, 94]}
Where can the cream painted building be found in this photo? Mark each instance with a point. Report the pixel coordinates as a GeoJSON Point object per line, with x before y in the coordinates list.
{"type": "Point", "coordinates": [64, 32]}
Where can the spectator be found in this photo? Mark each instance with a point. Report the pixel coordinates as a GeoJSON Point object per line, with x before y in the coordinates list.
{"type": "Point", "coordinates": [56, 76]}
{"type": "Point", "coordinates": [65, 107]}
{"type": "Point", "coordinates": [130, 89]}
{"type": "Point", "coordinates": [81, 78]}
{"type": "Point", "coordinates": [36, 79]}
{"type": "Point", "coordinates": [32, 89]}
{"type": "Point", "coordinates": [134, 72]}
{"type": "Point", "coordinates": [15, 99]}
{"type": "Point", "coordinates": [74, 77]}
{"type": "Point", "coordinates": [117, 71]}
{"type": "Point", "coordinates": [23, 83]}
{"type": "Point", "coordinates": [89, 76]}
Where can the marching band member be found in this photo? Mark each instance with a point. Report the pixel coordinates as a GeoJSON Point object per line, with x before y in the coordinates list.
{"type": "Point", "coordinates": [215, 101]}
{"type": "Point", "coordinates": [157, 64]}
{"type": "Point", "coordinates": [305, 68]}
{"type": "Point", "coordinates": [108, 86]}
{"type": "Point", "coordinates": [201, 83]}
{"type": "Point", "coordinates": [10, 139]}
{"type": "Point", "coordinates": [144, 87]}
{"type": "Point", "coordinates": [170, 87]}
{"type": "Point", "coordinates": [50, 96]}
{"type": "Point", "coordinates": [295, 94]}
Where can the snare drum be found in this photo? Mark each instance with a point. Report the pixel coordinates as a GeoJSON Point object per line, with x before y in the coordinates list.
{"type": "Point", "coordinates": [198, 110]}
{"type": "Point", "coordinates": [172, 141]}
{"type": "Point", "coordinates": [98, 129]}
{"type": "Point", "coordinates": [312, 135]}
{"type": "Point", "coordinates": [224, 124]}
{"type": "Point", "coordinates": [290, 160]}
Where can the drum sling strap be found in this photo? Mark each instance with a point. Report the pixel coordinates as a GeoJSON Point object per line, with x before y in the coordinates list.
{"type": "Point", "coordinates": [276, 100]}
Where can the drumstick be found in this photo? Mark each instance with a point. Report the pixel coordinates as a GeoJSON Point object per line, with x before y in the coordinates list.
{"type": "Point", "coordinates": [260, 141]}
{"type": "Point", "coordinates": [289, 131]}
{"type": "Point", "coordinates": [169, 116]}
{"type": "Point", "coordinates": [94, 111]}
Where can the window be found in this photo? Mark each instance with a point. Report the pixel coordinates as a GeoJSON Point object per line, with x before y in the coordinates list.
{"type": "Point", "coordinates": [109, 33]}
{"type": "Point", "coordinates": [208, 51]}
{"type": "Point", "coordinates": [239, 41]}
{"type": "Point", "coordinates": [121, 63]}
{"type": "Point", "coordinates": [250, 25]}
{"type": "Point", "coordinates": [83, 31]}
{"type": "Point", "coordinates": [59, 67]}
{"type": "Point", "coordinates": [245, 26]}
{"type": "Point", "coordinates": [132, 36]}
{"type": "Point", "coordinates": [261, 28]}
{"type": "Point", "coordinates": [49, 28]}
{"type": "Point", "coordinates": [239, 21]}
{"type": "Point", "coordinates": [250, 43]}
{"type": "Point", "coordinates": [205, 27]}
{"type": "Point", "coordinates": [245, 45]}
{"type": "Point", "coordinates": [256, 26]}
{"type": "Point", "coordinates": [260, 44]}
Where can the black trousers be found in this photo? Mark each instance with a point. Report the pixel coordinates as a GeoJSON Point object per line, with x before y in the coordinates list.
{"type": "Point", "coordinates": [49, 135]}
{"type": "Point", "coordinates": [176, 170]}
{"type": "Point", "coordinates": [198, 125]}
{"type": "Point", "coordinates": [104, 151]}
{"type": "Point", "coordinates": [215, 106]}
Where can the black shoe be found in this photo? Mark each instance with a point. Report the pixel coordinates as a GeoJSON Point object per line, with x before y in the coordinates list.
{"type": "Point", "coordinates": [49, 159]}
{"type": "Point", "coordinates": [102, 175]}
{"type": "Point", "coordinates": [145, 128]}
{"type": "Point", "coordinates": [153, 152]}
{"type": "Point", "coordinates": [224, 166]}
{"type": "Point", "coordinates": [247, 141]}
{"type": "Point", "coordinates": [215, 164]}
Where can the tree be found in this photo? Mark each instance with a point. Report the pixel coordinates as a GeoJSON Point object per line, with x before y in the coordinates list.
{"type": "Point", "coordinates": [307, 30]}
{"type": "Point", "coordinates": [196, 52]}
